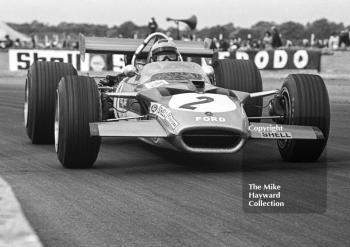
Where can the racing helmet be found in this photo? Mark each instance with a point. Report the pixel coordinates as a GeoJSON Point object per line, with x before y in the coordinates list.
{"type": "Point", "coordinates": [164, 50]}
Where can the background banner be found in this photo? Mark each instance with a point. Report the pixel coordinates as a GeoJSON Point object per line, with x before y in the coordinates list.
{"type": "Point", "coordinates": [21, 59]}
{"type": "Point", "coordinates": [277, 59]}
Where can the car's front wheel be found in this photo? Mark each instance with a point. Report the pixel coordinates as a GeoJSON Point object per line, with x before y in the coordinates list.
{"type": "Point", "coordinates": [306, 102]}
{"type": "Point", "coordinates": [78, 104]}
{"type": "Point", "coordinates": [39, 100]}
{"type": "Point", "coordinates": [241, 75]}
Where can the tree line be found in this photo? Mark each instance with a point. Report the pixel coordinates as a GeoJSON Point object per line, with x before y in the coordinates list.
{"type": "Point", "coordinates": [294, 31]}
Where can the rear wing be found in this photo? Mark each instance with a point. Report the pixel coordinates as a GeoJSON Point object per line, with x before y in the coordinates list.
{"type": "Point", "coordinates": [128, 46]}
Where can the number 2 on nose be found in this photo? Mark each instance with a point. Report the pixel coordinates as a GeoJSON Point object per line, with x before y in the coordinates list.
{"type": "Point", "coordinates": [203, 100]}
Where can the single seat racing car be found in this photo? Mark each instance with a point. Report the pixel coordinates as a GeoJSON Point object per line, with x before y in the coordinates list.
{"type": "Point", "coordinates": [172, 103]}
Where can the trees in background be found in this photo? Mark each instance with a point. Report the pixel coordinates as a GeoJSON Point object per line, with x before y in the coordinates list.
{"type": "Point", "coordinates": [290, 30]}
{"type": "Point", "coordinates": [293, 31]}
{"type": "Point", "coordinates": [262, 26]}
{"type": "Point", "coordinates": [323, 28]}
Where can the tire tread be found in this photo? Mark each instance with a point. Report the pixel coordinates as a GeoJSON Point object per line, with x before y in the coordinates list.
{"type": "Point", "coordinates": [79, 105]}
{"type": "Point", "coordinates": [312, 108]}
{"type": "Point", "coordinates": [43, 78]}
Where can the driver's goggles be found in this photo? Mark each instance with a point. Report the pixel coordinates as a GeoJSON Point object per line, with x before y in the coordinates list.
{"type": "Point", "coordinates": [166, 57]}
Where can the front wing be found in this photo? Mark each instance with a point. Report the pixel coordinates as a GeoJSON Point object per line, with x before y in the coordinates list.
{"type": "Point", "coordinates": [143, 128]}
{"type": "Point", "coordinates": [152, 128]}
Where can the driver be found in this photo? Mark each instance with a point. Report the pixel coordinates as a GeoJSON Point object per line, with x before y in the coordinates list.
{"type": "Point", "coordinates": [164, 50]}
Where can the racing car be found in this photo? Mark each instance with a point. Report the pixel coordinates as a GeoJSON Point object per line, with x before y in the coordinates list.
{"type": "Point", "coordinates": [167, 101]}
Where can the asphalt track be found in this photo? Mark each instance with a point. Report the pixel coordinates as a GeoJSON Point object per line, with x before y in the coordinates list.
{"type": "Point", "coordinates": [137, 195]}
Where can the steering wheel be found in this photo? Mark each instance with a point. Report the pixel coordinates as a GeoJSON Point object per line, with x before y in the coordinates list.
{"type": "Point", "coordinates": [145, 43]}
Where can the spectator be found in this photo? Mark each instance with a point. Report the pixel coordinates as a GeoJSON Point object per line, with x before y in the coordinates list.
{"type": "Point", "coordinates": [325, 42]}
{"type": "Point", "coordinates": [319, 44]}
{"type": "Point", "coordinates": [289, 43]}
{"type": "Point", "coordinates": [75, 45]}
{"type": "Point", "coordinates": [33, 42]}
{"type": "Point", "coordinates": [306, 43]}
{"type": "Point", "coordinates": [185, 37]}
{"type": "Point", "coordinates": [54, 41]}
{"type": "Point", "coordinates": [65, 44]}
{"type": "Point", "coordinates": [313, 41]}
{"type": "Point", "coordinates": [192, 37]}
{"type": "Point", "coordinates": [244, 45]}
{"type": "Point", "coordinates": [224, 45]}
{"type": "Point", "coordinates": [8, 42]}
{"type": "Point", "coordinates": [17, 43]}
{"type": "Point", "coordinates": [249, 44]}
{"type": "Point", "coordinates": [169, 35]}
{"type": "Point", "coordinates": [152, 25]}
{"type": "Point", "coordinates": [255, 44]}
{"type": "Point", "coordinates": [214, 44]}
{"type": "Point", "coordinates": [276, 39]}
{"type": "Point", "coordinates": [267, 40]}
{"type": "Point", "coordinates": [333, 41]}
{"type": "Point", "coordinates": [233, 45]}
{"type": "Point", "coordinates": [344, 39]}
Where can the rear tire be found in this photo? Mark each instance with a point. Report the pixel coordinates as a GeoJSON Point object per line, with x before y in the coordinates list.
{"type": "Point", "coordinates": [240, 75]}
{"type": "Point", "coordinates": [307, 103]}
{"type": "Point", "coordinates": [78, 104]}
{"type": "Point", "coordinates": [40, 94]}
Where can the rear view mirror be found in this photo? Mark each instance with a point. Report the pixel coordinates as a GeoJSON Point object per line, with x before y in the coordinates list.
{"type": "Point", "coordinates": [129, 70]}
{"type": "Point", "coordinates": [209, 71]}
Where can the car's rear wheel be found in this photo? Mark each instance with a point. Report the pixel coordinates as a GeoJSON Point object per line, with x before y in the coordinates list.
{"type": "Point", "coordinates": [240, 75]}
{"type": "Point", "coordinates": [306, 102]}
{"type": "Point", "coordinates": [78, 104]}
{"type": "Point", "coordinates": [40, 94]}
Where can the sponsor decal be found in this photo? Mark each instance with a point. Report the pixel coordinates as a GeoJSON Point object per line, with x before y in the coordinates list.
{"type": "Point", "coordinates": [211, 119]}
{"type": "Point", "coordinates": [206, 102]}
{"type": "Point", "coordinates": [271, 131]}
{"type": "Point", "coordinates": [171, 120]}
{"type": "Point", "coordinates": [156, 83]}
{"type": "Point", "coordinates": [163, 113]}
{"type": "Point", "coordinates": [276, 135]}
{"type": "Point", "coordinates": [154, 107]}
{"type": "Point", "coordinates": [123, 103]}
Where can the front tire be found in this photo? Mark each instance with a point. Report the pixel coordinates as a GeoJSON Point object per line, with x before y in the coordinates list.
{"type": "Point", "coordinates": [306, 103]}
{"type": "Point", "coordinates": [78, 104]}
{"type": "Point", "coordinates": [240, 75]}
{"type": "Point", "coordinates": [40, 94]}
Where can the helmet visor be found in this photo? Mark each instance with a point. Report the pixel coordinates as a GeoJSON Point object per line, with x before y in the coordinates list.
{"type": "Point", "coordinates": [166, 57]}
